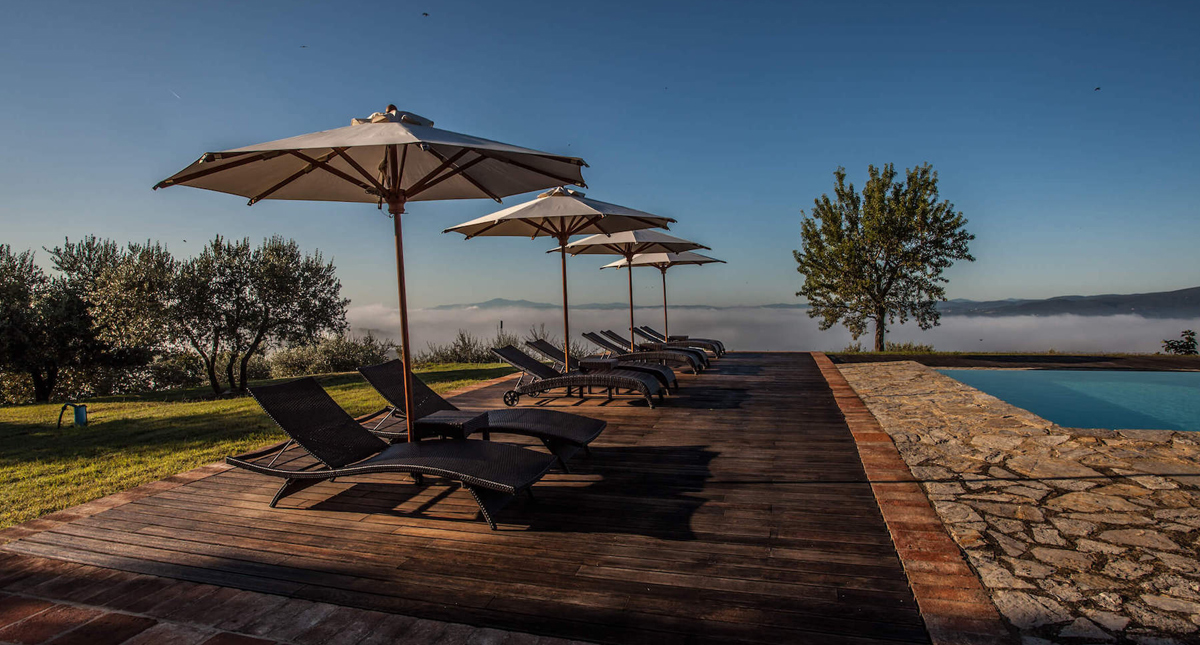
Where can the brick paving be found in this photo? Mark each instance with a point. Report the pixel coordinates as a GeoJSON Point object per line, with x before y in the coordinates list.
{"type": "Point", "coordinates": [39, 604]}
{"type": "Point", "coordinates": [953, 602]}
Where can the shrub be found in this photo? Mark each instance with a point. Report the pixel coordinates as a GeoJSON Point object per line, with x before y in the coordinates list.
{"type": "Point", "coordinates": [1184, 346]}
{"type": "Point", "coordinates": [578, 348]}
{"type": "Point", "coordinates": [333, 354]}
{"type": "Point", "coordinates": [466, 348]}
{"type": "Point", "coordinates": [908, 348]}
{"type": "Point", "coordinates": [853, 348]}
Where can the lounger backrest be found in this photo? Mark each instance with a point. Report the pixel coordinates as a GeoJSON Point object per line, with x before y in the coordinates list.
{"type": "Point", "coordinates": [525, 362]}
{"type": "Point", "coordinates": [643, 334]}
{"type": "Point", "coordinates": [308, 415]}
{"type": "Point", "coordinates": [547, 349]}
{"type": "Point", "coordinates": [653, 333]}
{"type": "Point", "coordinates": [607, 344]}
{"type": "Point", "coordinates": [388, 379]}
{"type": "Point", "coordinates": [616, 338]}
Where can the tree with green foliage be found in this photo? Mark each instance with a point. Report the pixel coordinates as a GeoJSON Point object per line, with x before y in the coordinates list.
{"type": "Point", "coordinates": [1185, 346]}
{"type": "Point", "coordinates": [228, 304]}
{"type": "Point", "coordinates": [277, 295]}
{"type": "Point", "coordinates": [878, 257]}
{"type": "Point", "coordinates": [21, 283]}
{"type": "Point", "coordinates": [47, 321]}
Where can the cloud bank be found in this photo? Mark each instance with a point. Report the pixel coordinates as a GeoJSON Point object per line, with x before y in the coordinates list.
{"type": "Point", "coordinates": [760, 329]}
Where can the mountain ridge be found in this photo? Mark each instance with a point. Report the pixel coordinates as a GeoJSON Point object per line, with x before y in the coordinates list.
{"type": "Point", "coordinates": [1181, 303]}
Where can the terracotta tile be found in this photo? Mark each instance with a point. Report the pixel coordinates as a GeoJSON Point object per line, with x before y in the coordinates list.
{"type": "Point", "coordinates": [45, 625]}
{"type": "Point", "coordinates": [972, 610]}
{"type": "Point", "coordinates": [344, 626]}
{"type": "Point", "coordinates": [109, 629]}
{"type": "Point", "coordinates": [172, 633]}
{"type": "Point", "coordinates": [955, 594]}
{"type": "Point", "coordinates": [924, 578]}
{"type": "Point", "coordinates": [14, 608]}
{"type": "Point", "coordinates": [43, 570]}
{"type": "Point", "coordinates": [226, 638]}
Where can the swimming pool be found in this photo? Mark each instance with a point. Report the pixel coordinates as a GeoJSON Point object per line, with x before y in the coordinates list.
{"type": "Point", "coordinates": [1096, 399]}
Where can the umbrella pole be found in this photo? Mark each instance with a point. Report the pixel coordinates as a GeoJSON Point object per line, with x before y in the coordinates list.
{"type": "Point", "coordinates": [629, 265]}
{"type": "Point", "coordinates": [666, 325]}
{"type": "Point", "coordinates": [396, 208]}
{"type": "Point", "coordinates": [562, 250]}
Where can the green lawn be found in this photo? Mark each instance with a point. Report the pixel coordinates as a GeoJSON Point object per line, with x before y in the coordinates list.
{"type": "Point", "coordinates": [132, 440]}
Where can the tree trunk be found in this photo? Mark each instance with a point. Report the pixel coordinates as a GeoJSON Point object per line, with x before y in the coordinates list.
{"type": "Point", "coordinates": [880, 329]}
{"type": "Point", "coordinates": [254, 345]}
{"type": "Point", "coordinates": [210, 362]}
{"type": "Point", "coordinates": [43, 386]}
{"type": "Point", "coordinates": [233, 357]}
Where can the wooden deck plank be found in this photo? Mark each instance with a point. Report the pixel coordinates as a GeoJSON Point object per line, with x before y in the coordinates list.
{"type": "Point", "coordinates": [737, 511]}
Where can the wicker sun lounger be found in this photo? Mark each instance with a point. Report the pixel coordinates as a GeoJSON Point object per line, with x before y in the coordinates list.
{"type": "Point", "coordinates": [717, 345]}
{"type": "Point", "coordinates": [622, 354]}
{"type": "Point", "coordinates": [699, 354]}
{"type": "Point", "coordinates": [694, 343]}
{"type": "Point", "coordinates": [664, 374]}
{"type": "Point", "coordinates": [542, 378]}
{"type": "Point", "coordinates": [493, 472]}
{"type": "Point", "coordinates": [562, 433]}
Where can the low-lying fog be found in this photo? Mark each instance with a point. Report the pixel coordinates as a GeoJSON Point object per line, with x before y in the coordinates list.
{"type": "Point", "coordinates": [756, 328]}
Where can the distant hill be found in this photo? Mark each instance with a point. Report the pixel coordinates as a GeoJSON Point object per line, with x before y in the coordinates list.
{"type": "Point", "coordinates": [1184, 303]}
{"type": "Point", "coordinates": [500, 303]}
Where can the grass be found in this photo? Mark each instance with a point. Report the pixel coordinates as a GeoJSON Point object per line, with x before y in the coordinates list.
{"type": "Point", "coordinates": [131, 440]}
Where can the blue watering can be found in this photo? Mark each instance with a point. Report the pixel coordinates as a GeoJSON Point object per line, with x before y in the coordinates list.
{"type": "Point", "coordinates": [80, 414]}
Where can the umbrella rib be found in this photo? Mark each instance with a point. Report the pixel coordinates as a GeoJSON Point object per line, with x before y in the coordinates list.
{"type": "Point", "coordinates": [650, 222]}
{"type": "Point", "coordinates": [458, 171]}
{"type": "Point", "coordinates": [532, 169]}
{"type": "Point", "coordinates": [208, 171]}
{"type": "Point", "coordinates": [320, 163]}
{"type": "Point", "coordinates": [485, 229]}
{"type": "Point", "coordinates": [341, 152]}
{"type": "Point", "coordinates": [420, 184]}
{"type": "Point", "coordinates": [293, 177]}
{"type": "Point", "coordinates": [400, 170]}
{"type": "Point", "coordinates": [541, 226]}
{"type": "Point", "coordinates": [473, 181]}
{"type": "Point", "coordinates": [590, 221]}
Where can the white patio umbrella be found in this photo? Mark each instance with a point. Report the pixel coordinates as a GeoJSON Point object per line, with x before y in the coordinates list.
{"type": "Point", "coordinates": [560, 213]}
{"type": "Point", "coordinates": [394, 158]}
{"type": "Point", "coordinates": [662, 262]}
{"type": "Point", "coordinates": [628, 244]}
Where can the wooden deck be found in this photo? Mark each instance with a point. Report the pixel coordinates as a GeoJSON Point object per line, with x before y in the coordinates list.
{"type": "Point", "coordinates": [735, 512]}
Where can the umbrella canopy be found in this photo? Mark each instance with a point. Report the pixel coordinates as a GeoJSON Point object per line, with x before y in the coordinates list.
{"type": "Point", "coordinates": [662, 262]}
{"type": "Point", "coordinates": [397, 156]}
{"type": "Point", "coordinates": [627, 245]}
{"type": "Point", "coordinates": [560, 213]}
{"type": "Point", "coordinates": [392, 157]}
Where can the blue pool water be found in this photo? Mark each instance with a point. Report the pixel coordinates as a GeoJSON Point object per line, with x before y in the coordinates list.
{"type": "Point", "coordinates": [1096, 399]}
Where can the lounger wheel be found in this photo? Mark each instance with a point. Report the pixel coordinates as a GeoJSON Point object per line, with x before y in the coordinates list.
{"type": "Point", "coordinates": [511, 397]}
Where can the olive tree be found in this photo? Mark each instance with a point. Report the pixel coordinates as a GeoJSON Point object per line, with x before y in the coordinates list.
{"type": "Point", "coordinates": [228, 304]}
{"type": "Point", "coordinates": [878, 257]}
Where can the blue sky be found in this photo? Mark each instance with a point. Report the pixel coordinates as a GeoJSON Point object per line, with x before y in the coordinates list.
{"type": "Point", "coordinates": [730, 117]}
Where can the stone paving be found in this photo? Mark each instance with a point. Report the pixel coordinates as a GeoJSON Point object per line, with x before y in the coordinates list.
{"type": "Point", "coordinates": [1079, 535]}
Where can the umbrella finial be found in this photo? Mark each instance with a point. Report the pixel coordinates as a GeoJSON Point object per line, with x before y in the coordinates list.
{"type": "Point", "coordinates": [561, 191]}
